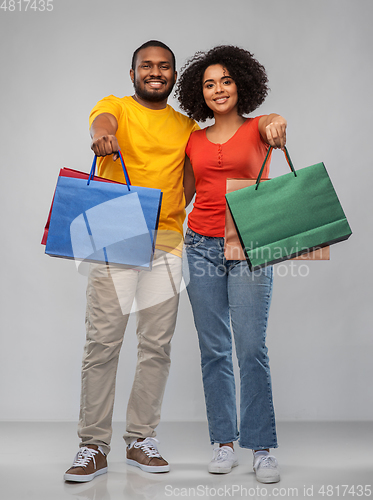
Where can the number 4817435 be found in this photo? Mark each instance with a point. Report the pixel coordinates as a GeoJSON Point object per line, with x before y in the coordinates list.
{"type": "Point", "coordinates": [25, 5]}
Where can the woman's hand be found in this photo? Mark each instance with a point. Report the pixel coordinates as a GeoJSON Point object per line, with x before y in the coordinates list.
{"type": "Point", "coordinates": [273, 130]}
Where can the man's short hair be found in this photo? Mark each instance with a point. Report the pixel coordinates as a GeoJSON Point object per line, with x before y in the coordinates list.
{"type": "Point", "coordinates": [153, 43]}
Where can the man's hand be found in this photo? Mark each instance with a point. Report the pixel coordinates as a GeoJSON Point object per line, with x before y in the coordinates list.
{"type": "Point", "coordinates": [104, 145]}
{"type": "Point", "coordinates": [103, 131]}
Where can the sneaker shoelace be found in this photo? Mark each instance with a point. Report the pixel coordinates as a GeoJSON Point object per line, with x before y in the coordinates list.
{"type": "Point", "coordinates": [268, 462]}
{"type": "Point", "coordinates": [84, 456]}
{"type": "Point", "coordinates": [221, 454]}
{"type": "Point", "coordinates": [149, 447]}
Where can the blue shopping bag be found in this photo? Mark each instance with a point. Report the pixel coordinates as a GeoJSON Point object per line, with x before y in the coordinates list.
{"type": "Point", "coordinates": [104, 221]}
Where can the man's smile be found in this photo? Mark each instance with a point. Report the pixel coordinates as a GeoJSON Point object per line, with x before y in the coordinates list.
{"type": "Point", "coordinates": [155, 84]}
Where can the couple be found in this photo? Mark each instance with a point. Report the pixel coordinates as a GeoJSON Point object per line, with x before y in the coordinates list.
{"type": "Point", "coordinates": [224, 83]}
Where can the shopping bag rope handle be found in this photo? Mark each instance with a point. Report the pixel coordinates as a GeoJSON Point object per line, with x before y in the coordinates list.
{"type": "Point", "coordinates": [93, 168]}
{"type": "Point", "coordinates": [288, 159]}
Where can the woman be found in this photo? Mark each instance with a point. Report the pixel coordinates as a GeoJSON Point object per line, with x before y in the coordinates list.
{"type": "Point", "coordinates": [226, 83]}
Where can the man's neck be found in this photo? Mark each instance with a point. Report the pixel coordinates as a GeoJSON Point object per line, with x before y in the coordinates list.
{"type": "Point", "coordinates": [150, 104]}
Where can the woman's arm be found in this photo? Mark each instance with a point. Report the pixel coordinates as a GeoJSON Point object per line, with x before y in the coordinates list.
{"type": "Point", "coordinates": [272, 128]}
{"type": "Point", "coordinates": [189, 181]}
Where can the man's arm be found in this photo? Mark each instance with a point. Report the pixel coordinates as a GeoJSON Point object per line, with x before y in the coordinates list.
{"type": "Point", "coordinates": [103, 130]}
{"type": "Point", "coordinates": [189, 181]}
{"type": "Point", "coordinates": [272, 128]}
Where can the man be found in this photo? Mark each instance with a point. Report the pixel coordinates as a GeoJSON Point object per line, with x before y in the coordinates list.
{"type": "Point", "coordinates": [152, 137]}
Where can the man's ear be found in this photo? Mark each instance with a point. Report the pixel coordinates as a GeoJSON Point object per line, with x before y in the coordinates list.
{"type": "Point", "coordinates": [132, 75]}
{"type": "Point", "coordinates": [175, 76]}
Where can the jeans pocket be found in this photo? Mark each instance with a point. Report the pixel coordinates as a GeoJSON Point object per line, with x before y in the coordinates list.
{"type": "Point", "coordinates": [268, 271]}
{"type": "Point", "coordinates": [192, 239]}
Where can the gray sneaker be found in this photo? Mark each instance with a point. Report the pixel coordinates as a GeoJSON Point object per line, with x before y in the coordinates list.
{"type": "Point", "coordinates": [223, 460]}
{"type": "Point", "coordinates": [266, 467]}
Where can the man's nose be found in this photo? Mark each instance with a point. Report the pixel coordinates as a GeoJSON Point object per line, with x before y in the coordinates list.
{"type": "Point", "coordinates": [155, 70]}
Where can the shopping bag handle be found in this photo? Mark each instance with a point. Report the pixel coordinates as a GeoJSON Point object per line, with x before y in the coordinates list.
{"type": "Point", "coordinates": [288, 159]}
{"type": "Point", "coordinates": [93, 168]}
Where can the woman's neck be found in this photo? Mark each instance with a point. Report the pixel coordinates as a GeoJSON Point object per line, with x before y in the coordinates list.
{"type": "Point", "coordinates": [225, 127]}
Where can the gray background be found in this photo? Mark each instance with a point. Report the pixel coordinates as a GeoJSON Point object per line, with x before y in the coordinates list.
{"type": "Point", "coordinates": [56, 65]}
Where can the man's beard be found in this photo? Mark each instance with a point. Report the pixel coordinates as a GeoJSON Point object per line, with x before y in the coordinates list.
{"type": "Point", "coordinates": [154, 96]}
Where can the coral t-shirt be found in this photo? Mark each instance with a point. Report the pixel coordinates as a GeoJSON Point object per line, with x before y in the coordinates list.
{"type": "Point", "coordinates": [241, 157]}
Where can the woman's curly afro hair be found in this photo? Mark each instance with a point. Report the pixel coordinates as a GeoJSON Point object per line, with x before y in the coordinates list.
{"type": "Point", "coordinates": [248, 74]}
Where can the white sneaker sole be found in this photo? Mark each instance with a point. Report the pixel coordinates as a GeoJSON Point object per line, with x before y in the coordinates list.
{"type": "Point", "coordinates": [214, 469]}
{"type": "Point", "coordinates": [267, 480]}
{"type": "Point", "coordinates": [84, 478]}
{"type": "Point", "coordinates": [148, 468]}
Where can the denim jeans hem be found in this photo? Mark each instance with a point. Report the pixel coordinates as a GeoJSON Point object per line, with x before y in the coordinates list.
{"type": "Point", "coordinates": [261, 447]}
{"type": "Point", "coordinates": [232, 440]}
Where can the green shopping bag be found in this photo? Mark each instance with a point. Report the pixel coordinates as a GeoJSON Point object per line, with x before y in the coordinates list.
{"type": "Point", "coordinates": [288, 215]}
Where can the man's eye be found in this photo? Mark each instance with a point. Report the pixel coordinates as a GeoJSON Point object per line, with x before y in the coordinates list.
{"type": "Point", "coordinates": [227, 82]}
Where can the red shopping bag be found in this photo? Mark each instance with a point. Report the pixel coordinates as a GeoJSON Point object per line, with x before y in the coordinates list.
{"type": "Point", "coordinates": [69, 172]}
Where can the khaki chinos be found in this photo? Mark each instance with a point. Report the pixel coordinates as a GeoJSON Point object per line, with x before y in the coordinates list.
{"type": "Point", "coordinates": [111, 293]}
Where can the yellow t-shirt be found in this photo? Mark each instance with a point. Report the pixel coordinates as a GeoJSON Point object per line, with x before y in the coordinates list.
{"type": "Point", "coordinates": [153, 147]}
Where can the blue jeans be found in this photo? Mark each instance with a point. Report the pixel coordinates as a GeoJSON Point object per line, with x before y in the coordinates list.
{"type": "Point", "coordinates": [226, 296]}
